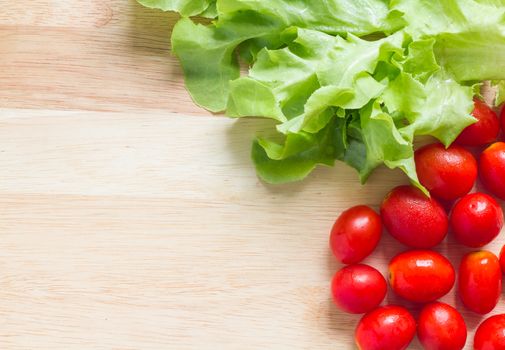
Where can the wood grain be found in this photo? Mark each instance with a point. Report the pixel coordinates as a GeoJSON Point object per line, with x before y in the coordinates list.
{"type": "Point", "coordinates": [89, 54]}
{"type": "Point", "coordinates": [131, 219]}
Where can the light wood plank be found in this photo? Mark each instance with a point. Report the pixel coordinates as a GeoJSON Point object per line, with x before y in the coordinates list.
{"type": "Point", "coordinates": [94, 55]}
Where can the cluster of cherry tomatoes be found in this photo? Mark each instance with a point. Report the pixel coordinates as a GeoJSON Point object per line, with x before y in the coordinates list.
{"type": "Point", "coordinates": [422, 275]}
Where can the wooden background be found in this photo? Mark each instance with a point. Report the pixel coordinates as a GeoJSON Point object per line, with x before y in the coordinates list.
{"type": "Point", "coordinates": [131, 219]}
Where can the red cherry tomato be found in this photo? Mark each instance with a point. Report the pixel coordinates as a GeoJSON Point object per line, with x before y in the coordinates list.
{"type": "Point", "coordinates": [484, 131]}
{"type": "Point", "coordinates": [447, 173]}
{"type": "Point", "coordinates": [421, 275]}
{"type": "Point", "coordinates": [388, 327]}
{"type": "Point", "coordinates": [358, 288]}
{"type": "Point", "coordinates": [492, 168]}
{"type": "Point", "coordinates": [441, 327]}
{"type": "Point", "coordinates": [476, 219]}
{"type": "Point", "coordinates": [480, 281]}
{"type": "Point", "coordinates": [355, 234]}
{"type": "Point", "coordinates": [413, 218]}
{"type": "Point", "coordinates": [502, 259]}
{"type": "Point", "coordinates": [491, 334]}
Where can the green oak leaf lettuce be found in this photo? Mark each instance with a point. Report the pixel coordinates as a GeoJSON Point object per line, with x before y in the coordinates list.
{"type": "Point", "coordinates": [348, 74]}
{"type": "Point", "coordinates": [318, 72]}
{"type": "Point", "coordinates": [258, 24]}
{"type": "Point", "coordinates": [303, 82]}
{"type": "Point", "coordinates": [348, 80]}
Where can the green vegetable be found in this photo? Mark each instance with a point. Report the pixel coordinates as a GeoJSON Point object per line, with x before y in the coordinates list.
{"type": "Point", "coordinates": [469, 34]}
{"type": "Point", "coordinates": [348, 80]}
{"type": "Point", "coordinates": [184, 7]}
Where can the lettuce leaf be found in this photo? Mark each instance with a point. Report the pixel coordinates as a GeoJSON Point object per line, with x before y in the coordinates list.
{"type": "Point", "coordinates": [426, 18]}
{"type": "Point", "coordinates": [207, 55]}
{"type": "Point", "coordinates": [459, 52]}
{"type": "Point", "coordinates": [358, 17]}
{"type": "Point", "coordinates": [184, 7]}
{"type": "Point", "coordinates": [440, 108]}
{"type": "Point", "coordinates": [499, 87]}
{"type": "Point", "coordinates": [469, 35]}
{"type": "Point", "coordinates": [299, 154]}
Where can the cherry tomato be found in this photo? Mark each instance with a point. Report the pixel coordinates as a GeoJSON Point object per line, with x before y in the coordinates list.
{"type": "Point", "coordinates": [476, 219]}
{"type": "Point", "coordinates": [502, 259]}
{"type": "Point", "coordinates": [385, 328]}
{"type": "Point", "coordinates": [413, 218]}
{"type": "Point", "coordinates": [447, 173]}
{"type": "Point", "coordinates": [421, 275]}
{"type": "Point", "coordinates": [441, 327]}
{"type": "Point", "coordinates": [358, 288]}
{"type": "Point", "coordinates": [484, 131]}
{"type": "Point", "coordinates": [355, 234]}
{"type": "Point", "coordinates": [491, 334]}
{"type": "Point", "coordinates": [480, 281]}
{"type": "Point", "coordinates": [492, 168]}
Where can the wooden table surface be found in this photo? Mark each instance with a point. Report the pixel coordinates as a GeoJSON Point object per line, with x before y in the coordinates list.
{"type": "Point", "coordinates": [132, 219]}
